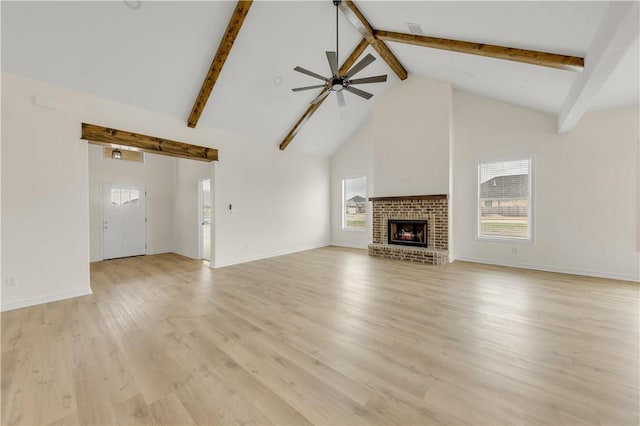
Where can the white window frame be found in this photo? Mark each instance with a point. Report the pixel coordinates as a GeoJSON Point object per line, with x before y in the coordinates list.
{"type": "Point", "coordinates": [343, 210]}
{"type": "Point", "coordinates": [530, 214]}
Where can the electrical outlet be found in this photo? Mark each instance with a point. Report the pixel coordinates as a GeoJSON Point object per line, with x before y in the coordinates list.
{"type": "Point", "coordinates": [11, 281]}
{"type": "Point", "coordinates": [514, 250]}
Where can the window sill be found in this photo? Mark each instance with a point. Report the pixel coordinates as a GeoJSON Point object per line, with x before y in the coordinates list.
{"type": "Point", "coordinates": [510, 240]}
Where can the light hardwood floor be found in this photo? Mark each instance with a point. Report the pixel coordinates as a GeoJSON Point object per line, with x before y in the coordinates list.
{"type": "Point", "coordinates": [328, 336]}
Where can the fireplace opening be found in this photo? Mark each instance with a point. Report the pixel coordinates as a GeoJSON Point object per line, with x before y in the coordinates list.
{"type": "Point", "coordinates": [407, 232]}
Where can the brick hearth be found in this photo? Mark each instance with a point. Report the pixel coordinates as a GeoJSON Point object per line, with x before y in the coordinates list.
{"type": "Point", "coordinates": [433, 208]}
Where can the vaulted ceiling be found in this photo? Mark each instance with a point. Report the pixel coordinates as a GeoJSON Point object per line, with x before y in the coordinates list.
{"type": "Point", "coordinates": [155, 55]}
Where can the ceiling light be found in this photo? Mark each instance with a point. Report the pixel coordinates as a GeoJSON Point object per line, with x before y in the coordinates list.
{"type": "Point", "coordinates": [133, 4]}
{"type": "Point", "coordinates": [116, 154]}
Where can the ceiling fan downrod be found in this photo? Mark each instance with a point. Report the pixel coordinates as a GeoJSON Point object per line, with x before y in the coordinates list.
{"type": "Point", "coordinates": [336, 3]}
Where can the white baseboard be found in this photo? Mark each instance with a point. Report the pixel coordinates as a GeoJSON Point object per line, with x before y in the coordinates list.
{"type": "Point", "coordinates": [45, 299]}
{"type": "Point", "coordinates": [598, 274]}
{"type": "Point", "coordinates": [355, 246]}
{"type": "Point", "coordinates": [214, 265]}
{"type": "Point", "coordinates": [185, 254]}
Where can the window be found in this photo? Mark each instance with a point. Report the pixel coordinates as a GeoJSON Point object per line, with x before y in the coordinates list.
{"type": "Point", "coordinates": [354, 203]}
{"type": "Point", "coordinates": [124, 196]}
{"type": "Point", "coordinates": [504, 200]}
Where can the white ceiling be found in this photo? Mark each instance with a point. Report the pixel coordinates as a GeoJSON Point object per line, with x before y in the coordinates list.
{"type": "Point", "coordinates": [156, 57]}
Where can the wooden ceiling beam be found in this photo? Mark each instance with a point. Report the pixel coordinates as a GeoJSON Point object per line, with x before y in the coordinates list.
{"type": "Point", "coordinates": [545, 59]}
{"type": "Point", "coordinates": [229, 37]}
{"type": "Point", "coordinates": [348, 63]}
{"type": "Point", "coordinates": [99, 135]}
{"type": "Point", "coordinates": [618, 30]}
{"type": "Point", "coordinates": [359, 21]}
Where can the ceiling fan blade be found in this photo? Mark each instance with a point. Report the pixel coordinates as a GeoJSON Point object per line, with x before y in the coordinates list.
{"type": "Point", "coordinates": [320, 97]}
{"type": "Point", "coordinates": [332, 57]}
{"type": "Point", "coordinates": [359, 92]}
{"type": "Point", "coordinates": [311, 73]}
{"type": "Point", "coordinates": [360, 65]}
{"type": "Point", "coordinates": [375, 79]}
{"type": "Point", "coordinates": [340, 98]}
{"type": "Point", "coordinates": [297, 89]}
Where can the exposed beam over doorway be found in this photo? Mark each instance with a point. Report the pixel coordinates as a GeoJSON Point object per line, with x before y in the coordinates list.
{"type": "Point", "coordinates": [99, 135]}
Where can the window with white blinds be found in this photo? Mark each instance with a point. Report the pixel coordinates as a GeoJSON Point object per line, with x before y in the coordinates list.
{"type": "Point", "coordinates": [504, 200]}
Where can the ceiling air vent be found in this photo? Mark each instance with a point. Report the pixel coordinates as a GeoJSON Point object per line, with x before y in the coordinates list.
{"type": "Point", "coordinates": [415, 28]}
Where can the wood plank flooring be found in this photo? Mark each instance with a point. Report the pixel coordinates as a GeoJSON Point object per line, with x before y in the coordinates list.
{"type": "Point", "coordinates": [327, 336]}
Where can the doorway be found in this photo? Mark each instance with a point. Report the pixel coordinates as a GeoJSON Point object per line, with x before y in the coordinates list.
{"type": "Point", "coordinates": [204, 218]}
{"type": "Point", "coordinates": [124, 212]}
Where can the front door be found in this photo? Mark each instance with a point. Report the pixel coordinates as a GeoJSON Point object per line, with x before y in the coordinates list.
{"type": "Point", "coordinates": [124, 221]}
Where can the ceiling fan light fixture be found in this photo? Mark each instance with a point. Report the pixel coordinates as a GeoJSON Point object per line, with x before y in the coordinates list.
{"type": "Point", "coordinates": [337, 84]}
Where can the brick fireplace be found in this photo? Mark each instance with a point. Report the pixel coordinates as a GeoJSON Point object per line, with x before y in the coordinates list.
{"type": "Point", "coordinates": [434, 209]}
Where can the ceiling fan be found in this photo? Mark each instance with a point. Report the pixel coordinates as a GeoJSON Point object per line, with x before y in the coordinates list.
{"type": "Point", "coordinates": [338, 83]}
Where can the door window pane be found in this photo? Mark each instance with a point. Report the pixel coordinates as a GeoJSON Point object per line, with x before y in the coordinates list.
{"type": "Point", "coordinates": [115, 197]}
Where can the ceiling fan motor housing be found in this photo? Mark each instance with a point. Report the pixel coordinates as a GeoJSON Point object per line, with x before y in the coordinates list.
{"type": "Point", "coordinates": [337, 84]}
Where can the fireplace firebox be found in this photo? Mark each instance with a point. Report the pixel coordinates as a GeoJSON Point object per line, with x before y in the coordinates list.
{"type": "Point", "coordinates": [407, 232]}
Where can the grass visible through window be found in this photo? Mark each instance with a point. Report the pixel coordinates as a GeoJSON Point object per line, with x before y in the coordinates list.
{"type": "Point", "coordinates": [502, 227]}
{"type": "Point", "coordinates": [355, 220]}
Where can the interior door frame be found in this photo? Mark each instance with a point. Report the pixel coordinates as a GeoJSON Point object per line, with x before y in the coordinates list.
{"type": "Point", "coordinates": [103, 194]}
{"type": "Point", "coordinates": [201, 218]}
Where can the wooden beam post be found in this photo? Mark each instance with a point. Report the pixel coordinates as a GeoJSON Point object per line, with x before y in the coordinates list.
{"type": "Point", "coordinates": [351, 60]}
{"type": "Point", "coordinates": [99, 135]}
{"type": "Point", "coordinates": [229, 37]}
{"type": "Point", "coordinates": [552, 60]}
{"type": "Point", "coordinates": [364, 27]}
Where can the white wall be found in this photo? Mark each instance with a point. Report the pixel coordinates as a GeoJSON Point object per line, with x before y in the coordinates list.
{"type": "Point", "coordinates": [281, 199]}
{"type": "Point", "coordinates": [411, 138]}
{"type": "Point", "coordinates": [185, 207]}
{"type": "Point", "coordinates": [44, 201]}
{"type": "Point", "coordinates": [156, 175]}
{"type": "Point", "coordinates": [586, 187]}
{"type": "Point", "coordinates": [354, 159]}
{"type": "Point", "coordinates": [280, 203]}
